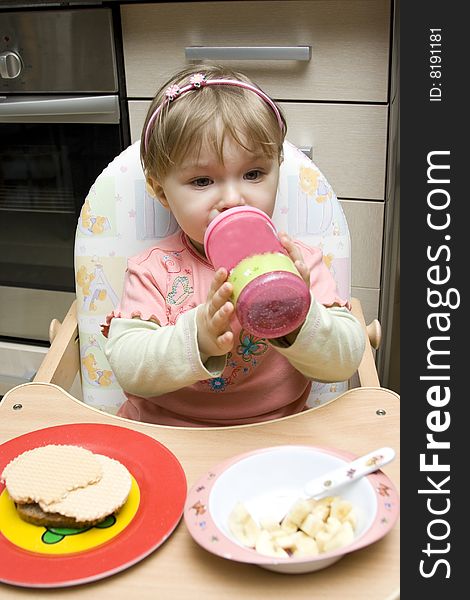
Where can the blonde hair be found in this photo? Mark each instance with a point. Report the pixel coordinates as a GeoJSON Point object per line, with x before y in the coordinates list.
{"type": "Point", "coordinates": [205, 117]}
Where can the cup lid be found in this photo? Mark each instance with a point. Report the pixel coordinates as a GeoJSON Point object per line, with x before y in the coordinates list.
{"type": "Point", "coordinates": [230, 212]}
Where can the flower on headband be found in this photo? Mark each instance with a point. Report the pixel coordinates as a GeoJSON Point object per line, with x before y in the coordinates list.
{"type": "Point", "coordinates": [172, 92]}
{"type": "Point", "coordinates": [197, 79]}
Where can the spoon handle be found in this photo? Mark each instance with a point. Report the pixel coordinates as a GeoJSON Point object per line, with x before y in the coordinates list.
{"type": "Point", "coordinates": [349, 472]}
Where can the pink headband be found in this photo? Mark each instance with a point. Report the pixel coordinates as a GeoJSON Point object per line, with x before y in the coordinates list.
{"type": "Point", "coordinates": [197, 81]}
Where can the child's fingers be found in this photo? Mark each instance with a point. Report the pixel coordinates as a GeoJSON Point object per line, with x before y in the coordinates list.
{"type": "Point", "coordinates": [219, 330]}
{"type": "Point", "coordinates": [219, 324]}
{"type": "Point", "coordinates": [217, 297]}
{"type": "Point", "coordinates": [289, 245]}
{"type": "Point", "coordinates": [219, 278]}
{"type": "Point", "coordinates": [296, 256]}
{"type": "Point", "coordinates": [217, 283]}
{"type": "Point", "coordinates": [218, 300]}
{"type": "Point", "coordinates": [221, 318]}
{"type": "Point", "coordinates": [225, 342]}
{"type": "Point", "coordinates": [303, 270]}
{"type": "Point", "coordinates": [214, 334]}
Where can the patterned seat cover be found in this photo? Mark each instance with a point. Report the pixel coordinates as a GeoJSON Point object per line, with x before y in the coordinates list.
{"type": "Point", "coordinates": [119, 219]}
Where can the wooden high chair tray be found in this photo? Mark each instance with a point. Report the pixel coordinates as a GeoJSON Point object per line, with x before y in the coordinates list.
{"type": "Point", "coordinates": [35, 556]}
{"type": "Point", "coordinates": [361, 419]}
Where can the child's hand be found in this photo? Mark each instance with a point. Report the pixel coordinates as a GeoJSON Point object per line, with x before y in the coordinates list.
{"type": "Point", "coordinates": [295, 256]}
{"type": "Point", "coordinates": [214, 334]}
{"type": "Point", "coordinates": [297, 259]}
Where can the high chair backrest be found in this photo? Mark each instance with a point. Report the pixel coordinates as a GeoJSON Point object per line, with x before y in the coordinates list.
{"type": "Point", "coordinates": [119, 219]}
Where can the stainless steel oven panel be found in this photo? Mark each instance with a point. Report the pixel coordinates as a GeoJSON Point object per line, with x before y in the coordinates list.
{"type": "Point", "coordinates": [57, 51]}
{"type": "Point", "coordinates": [59, 109]}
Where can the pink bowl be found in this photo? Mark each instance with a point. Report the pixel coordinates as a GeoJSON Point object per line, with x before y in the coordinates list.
{"type": "Point", "coordinates": [252, 477]}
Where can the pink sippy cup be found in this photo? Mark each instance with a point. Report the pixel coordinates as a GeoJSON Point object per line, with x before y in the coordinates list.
{"type": "Point", "coordinates": [271, 299]}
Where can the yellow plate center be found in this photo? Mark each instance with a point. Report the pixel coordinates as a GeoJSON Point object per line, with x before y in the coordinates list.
{"type": "Point", "coordinates": [52, 540]}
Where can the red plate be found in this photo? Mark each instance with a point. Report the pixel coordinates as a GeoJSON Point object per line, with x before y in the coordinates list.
{"type": "Point", "coordinates": [162, 485]}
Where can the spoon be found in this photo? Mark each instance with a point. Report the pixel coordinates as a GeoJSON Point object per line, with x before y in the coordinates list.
{"type": "Point", "coordinates": [279, 504]}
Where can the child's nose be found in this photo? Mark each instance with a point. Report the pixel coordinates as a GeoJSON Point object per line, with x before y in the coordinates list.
{"type": "Point", "coordinates": [232, 196]}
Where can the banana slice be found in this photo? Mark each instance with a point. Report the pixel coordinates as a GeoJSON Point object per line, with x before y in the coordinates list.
{"type": "Point", "coordinates": [305, 545]}
{"type": "Point", "coordinates": [251, 531]}
{"type": "Point", "coordinates": [352, 519]}
{"type": "Point", "coordinates": [343, 537]}
{"type": "Point", "coordinates": [270, 524]}
{"type": "Point", "coordinates": [310, 528]}
{"type": "Point", "coordinates": [286, 542]}
{"type": "Point", "coordinates": [321, 510]}
{"type": "Point", "coordinates": [340, 509]}
{"type": "Point", "coordinates": [267, 546]}
{"type": "Point", "coordinates": [239, 513]}
{"type": "Point", "coordinates": [312, 524]}
{"type": "Point", "coordinates": [331, 527]}
{"type": "Point", "coordinates": [299, 511]}
{"type": "Point", "coordinates": [243, 526]}
{"type": "Point", "coordinates": [288, 525]}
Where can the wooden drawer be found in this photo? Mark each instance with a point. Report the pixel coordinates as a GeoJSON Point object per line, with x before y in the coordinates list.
{"type": "Point", "coordinates": [137, 113]}
{"type": "Point", "coordinates": [365, 222]}
{"type": "Point", "coordinates": [348, 142]}
{"type": "Point", "coordinates": [369, 299]}
{"type": "Point", "coordinates": [349, 41]}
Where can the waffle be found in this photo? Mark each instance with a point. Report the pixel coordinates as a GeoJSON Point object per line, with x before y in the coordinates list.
{"type": "Point", "coordinates": [98, 500]}
{"type": "Point", "coordinates": [66, 486]}
{"type": "Point", "coordinates": [49, 473]}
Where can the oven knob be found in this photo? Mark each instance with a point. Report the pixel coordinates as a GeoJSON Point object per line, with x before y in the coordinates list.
{"type": "Point", "coordinates": [10, 65]}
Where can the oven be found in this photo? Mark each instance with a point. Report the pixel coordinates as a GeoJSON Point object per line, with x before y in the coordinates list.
{"type": "Point", "coordinates": [63, 118]}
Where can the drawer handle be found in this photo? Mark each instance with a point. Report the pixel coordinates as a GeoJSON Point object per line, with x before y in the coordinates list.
{"type": "Point", "coordinates": [307, 150]}
{"type": "Point", "coordinates": [248, 52]}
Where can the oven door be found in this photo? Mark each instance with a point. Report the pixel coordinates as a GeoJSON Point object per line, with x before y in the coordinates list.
{"type": "Point", "coordinates": [51, 151]}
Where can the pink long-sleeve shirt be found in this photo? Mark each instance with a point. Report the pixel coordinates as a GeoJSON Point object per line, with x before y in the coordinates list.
{"type": "Point", "coordinates": [152, 346]}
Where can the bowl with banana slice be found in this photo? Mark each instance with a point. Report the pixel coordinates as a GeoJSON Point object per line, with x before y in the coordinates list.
{"type": "Point", "coordinates": [237, 510]}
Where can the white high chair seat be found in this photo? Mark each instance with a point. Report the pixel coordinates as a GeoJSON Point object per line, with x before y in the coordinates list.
{"type": "Point", "coordinates": [119, 219]}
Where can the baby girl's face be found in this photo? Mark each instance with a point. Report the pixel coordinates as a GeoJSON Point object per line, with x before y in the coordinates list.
{"type": "Point", "coordinates": [198, 189]}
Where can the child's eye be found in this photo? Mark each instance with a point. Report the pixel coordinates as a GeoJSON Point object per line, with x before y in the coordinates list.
{"type": "Point", "coordinates": [253, 175]}
{"type": "Point", "coordinates": [201, 182]}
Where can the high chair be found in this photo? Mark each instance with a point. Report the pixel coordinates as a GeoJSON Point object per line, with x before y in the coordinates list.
{"type": "Point", "coordinates": [119, 219]}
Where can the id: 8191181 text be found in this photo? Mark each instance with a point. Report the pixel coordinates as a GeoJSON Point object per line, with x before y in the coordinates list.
{"type": "Point", "coordinates": [435, 64]}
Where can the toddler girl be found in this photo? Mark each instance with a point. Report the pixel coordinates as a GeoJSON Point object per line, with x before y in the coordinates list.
{"type": "Point", "coordinates": [212, 140]}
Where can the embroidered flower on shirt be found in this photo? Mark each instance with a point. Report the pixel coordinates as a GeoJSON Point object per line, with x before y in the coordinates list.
{"type": "Point", "coordinates": [217, 384]}
{"type": "Point", "coordinates": [220, 384]}
{"type": "Point", "coordinates": [170, 264]}
{"type": "Point", "coordinates": [181, 289]}
{"type": "Point", "coordinates": [250, 346]}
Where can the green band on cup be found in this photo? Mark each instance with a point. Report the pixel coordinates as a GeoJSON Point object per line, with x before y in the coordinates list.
{"type": "Point", "coordinates": [252, 267]}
